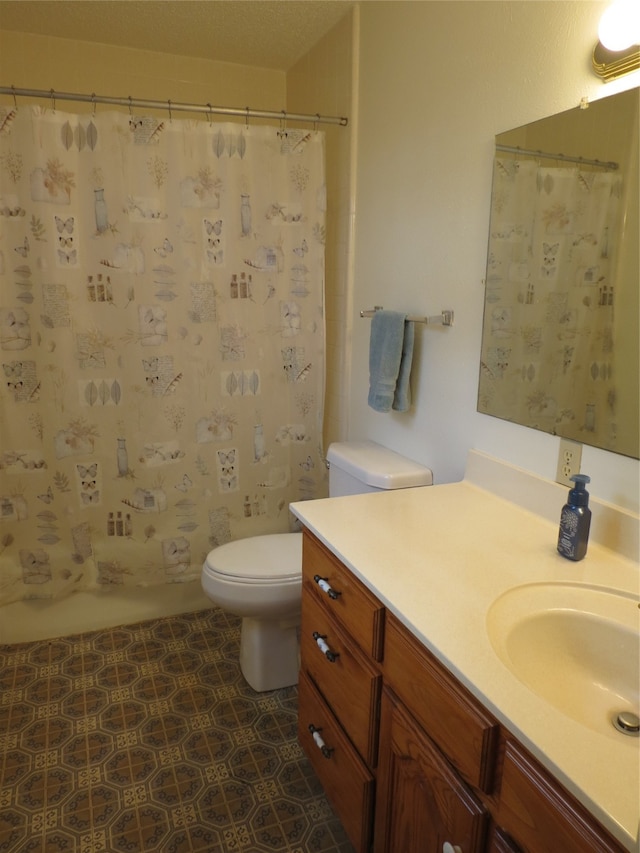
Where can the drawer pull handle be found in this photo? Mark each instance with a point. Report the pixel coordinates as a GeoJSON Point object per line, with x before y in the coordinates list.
{"type": "Point", "coordinates": [324, 648]}
{"type": "Point", "coordinates": [323, 583]}
{"type": "Point", "coordinates": [324, 749]}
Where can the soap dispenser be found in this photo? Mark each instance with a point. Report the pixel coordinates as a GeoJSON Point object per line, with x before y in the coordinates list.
{"type": "Point", "coordinates": [575, 520]}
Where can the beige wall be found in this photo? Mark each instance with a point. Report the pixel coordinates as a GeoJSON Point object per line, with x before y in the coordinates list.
{"type": "Point", "coordinates": [43, 62]}
{"type": "Point", "coordinates": [323, 82]}
{"type": "Point", "coordinates": [438, 80]}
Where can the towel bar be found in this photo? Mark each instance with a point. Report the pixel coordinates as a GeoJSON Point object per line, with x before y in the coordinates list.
{"type": "Point", "coordinates": [443, 319]}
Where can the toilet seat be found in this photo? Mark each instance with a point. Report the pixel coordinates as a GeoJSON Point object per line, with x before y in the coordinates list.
{"type": "Point", "coordinates": [272, 559]}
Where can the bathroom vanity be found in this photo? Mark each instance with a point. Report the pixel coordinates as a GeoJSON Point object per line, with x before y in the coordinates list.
{"type": "Point", "coordinates": [424, 733]}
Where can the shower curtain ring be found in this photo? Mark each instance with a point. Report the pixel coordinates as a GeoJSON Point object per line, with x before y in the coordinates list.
{"type": "Point", "coordinates": [130, 112]}
{"type": "Point", "coordinates": [246, 121]}
{"type": "Point", "coordinates": [315, 124]}
{"type": "Point", "coordinates": [93, 102]}
{"type": "Point", "coordinates": [15, 101]}
{"type": "Point", "coordinates": [283, 123]}
{"type": "Point", "coordinates": [209, 111]}
{"type": "Point", "coordinates": [169, 103]}
{"type": "Point", "coordinates": [53, 99]}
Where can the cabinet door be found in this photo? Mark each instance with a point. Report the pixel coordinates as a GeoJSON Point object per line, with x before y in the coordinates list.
{"type": "Point", "coordinates": [422, 804]}
{"type": "Point", "coordinates": [537, 811]}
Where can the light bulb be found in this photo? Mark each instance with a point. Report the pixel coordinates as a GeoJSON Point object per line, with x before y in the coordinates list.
{"type": "Point", "coordinates": [619, 26]}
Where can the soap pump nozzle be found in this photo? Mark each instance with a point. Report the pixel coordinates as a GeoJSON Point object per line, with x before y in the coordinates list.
{"type": "Point", "coordinates": [578, 495]}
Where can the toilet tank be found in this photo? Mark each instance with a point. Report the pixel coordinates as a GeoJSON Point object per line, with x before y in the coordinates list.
{"type": "Point", "coordinates": [356, 467]}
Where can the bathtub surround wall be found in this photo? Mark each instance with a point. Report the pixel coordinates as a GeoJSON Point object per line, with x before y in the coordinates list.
{"type": "Point", "coordinates": [162, 343]}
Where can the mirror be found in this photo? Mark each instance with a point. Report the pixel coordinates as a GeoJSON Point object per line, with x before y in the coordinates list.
{"type": "Point", "coordinates": [561, 318]}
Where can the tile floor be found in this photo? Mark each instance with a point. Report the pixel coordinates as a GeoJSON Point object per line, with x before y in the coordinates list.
{"type": "Point", "coordinates": [147, 738]}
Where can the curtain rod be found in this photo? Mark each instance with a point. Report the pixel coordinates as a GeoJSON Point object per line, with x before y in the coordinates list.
{"type": "Point", "coordinates": [566, 157]}
{"type": "Point", "coordinates": [130, 102]}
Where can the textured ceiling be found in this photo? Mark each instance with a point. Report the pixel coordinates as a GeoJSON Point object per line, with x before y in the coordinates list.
{"type": "Point", "coordinates": [264, 33]}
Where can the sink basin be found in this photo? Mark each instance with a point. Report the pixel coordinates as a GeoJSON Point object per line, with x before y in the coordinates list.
{"type": "Point", "coordinates": [575, 646]}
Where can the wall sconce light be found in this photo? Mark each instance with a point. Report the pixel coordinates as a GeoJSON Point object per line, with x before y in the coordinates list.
{"type": "Point", "coordinates": [618, 49]}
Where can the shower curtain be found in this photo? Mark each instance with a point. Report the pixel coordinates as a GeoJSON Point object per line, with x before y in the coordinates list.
{"type": "Point", "coordinates": [547, 351]}
{"type": "Point", "coordinates": [161, 341]}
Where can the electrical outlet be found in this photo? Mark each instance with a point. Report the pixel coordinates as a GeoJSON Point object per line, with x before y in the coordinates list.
{"type": "Point", "coordinates": [569, 458]}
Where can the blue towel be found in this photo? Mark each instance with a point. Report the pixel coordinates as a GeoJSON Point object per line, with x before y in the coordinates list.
{"type": "Point", "coordinates": [390, 354]}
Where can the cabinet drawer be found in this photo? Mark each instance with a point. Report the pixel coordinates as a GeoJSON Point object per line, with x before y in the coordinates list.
{"type": "Point", "coordinates": [347, 680]}
{"type": "Point", "coordinates": [345, 779]}
{"type": "Point", "coordinates": [358, 610]}
{"type": "Point", "coordinates": [540, 814]}
{"type": "Point", "coordinates": [457, 723]}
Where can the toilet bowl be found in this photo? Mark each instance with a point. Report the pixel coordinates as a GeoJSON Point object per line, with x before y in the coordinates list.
{"type": "Point", "coordinates": [260, 578]}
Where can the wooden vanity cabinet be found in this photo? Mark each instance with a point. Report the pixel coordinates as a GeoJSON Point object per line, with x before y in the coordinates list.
{"type": "Point", "coordinates": [391, 732]}
{"type": "Point", "coordinates": [495, 796]}
{"type": "Point", "coordinates": [341, 643]}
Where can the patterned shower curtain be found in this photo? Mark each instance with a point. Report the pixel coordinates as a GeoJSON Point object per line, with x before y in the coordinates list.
{"type": "Point", "coordinates": [161, 341]}
{"type": "Point", "coordinates": [547, 351]}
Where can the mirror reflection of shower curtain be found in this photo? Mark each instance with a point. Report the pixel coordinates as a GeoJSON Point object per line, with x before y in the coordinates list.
{"type": "Point", "coordinates": [161, 341]}
{"type": "Point", "coordinates": [550, 290]}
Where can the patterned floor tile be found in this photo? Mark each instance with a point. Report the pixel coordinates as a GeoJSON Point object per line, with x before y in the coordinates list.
{"type": "Point", "coordinates": [147, 738]}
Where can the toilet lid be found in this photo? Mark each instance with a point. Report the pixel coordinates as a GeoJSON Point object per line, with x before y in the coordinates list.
{"type": "Point", "coordinates": [275, 557]}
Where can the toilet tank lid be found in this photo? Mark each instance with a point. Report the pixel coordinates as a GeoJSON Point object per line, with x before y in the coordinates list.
{"type": "Point", "coordinates": [377, 466]}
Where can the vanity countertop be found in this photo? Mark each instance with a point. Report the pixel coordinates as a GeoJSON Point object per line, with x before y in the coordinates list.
{"type": "Point", "coordinates": [438, 557]}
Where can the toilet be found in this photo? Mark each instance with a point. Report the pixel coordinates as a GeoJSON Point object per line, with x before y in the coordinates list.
{"type": "Point", "coordinates": [260, 578]}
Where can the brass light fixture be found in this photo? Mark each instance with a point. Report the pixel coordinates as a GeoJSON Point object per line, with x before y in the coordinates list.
{"type": "Point", "coordinates": [610, 64]}
{"type": "Point", "coordinates": [618, 49]}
